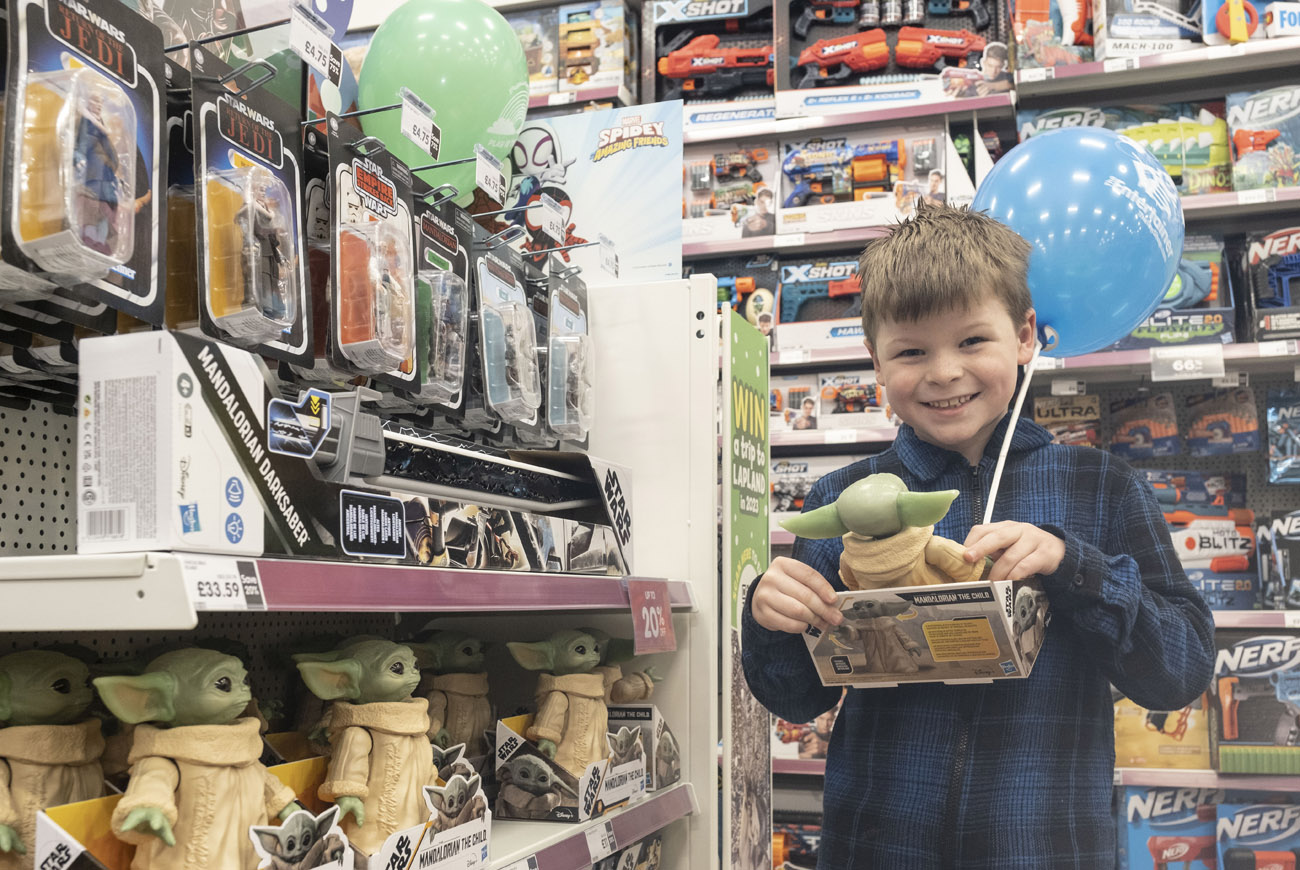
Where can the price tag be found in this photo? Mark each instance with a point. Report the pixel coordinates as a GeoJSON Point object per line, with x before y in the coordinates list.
{"type": "Point", "coordinates": [1119, 64]}
{"type": "Point", "coordinates": [222, 583]}
{"type": "Point", "coordinates": [1218, 52]}
{"type": "Point", "coordinates": [1232, 379]}
{"type": "Point", "coordinates": [1291, 618]}
{"type": "Point", "coordinates": [488, 175]}
{"type": "Point", "coordinates": [1068, 387]}
{"type": "Point", "coordinates": [311, 38]}
{"type": "Point", "coordinates": [1277, 348]}
{"type": "Point", "coordinates": [601, 842]}
{"type": "Point", "coordinates": [1187, 363]}
{"type": "Point", "coordinates": [552, 219]}
{"type": "Point", "coordinates": [652, 617]}
{"type": "Point", "coordinates": [1040, 74]}
{"type": "Point", "coordinates": [563, 98]}
{"type": "Point", "coordinates": [794, 357]}
{"type": "Point", "coordinates": [608, 256]}
{"type": "Point", "coordinates": [529, 863]}
{"type": "Point", "coordinates": [417, 124]}
{"type": "Point", "coordinates": [1257, 197]}
{"type": "Point", "coordinates": [788, 240]}
{"type": "Point", "coordinates": [1049, 363]}
{"type": "Point", "coordinates": [840, 436]}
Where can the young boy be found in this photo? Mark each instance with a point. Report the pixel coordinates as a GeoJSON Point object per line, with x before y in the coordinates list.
{"type": "Point", "coordinates": [1015, 773]}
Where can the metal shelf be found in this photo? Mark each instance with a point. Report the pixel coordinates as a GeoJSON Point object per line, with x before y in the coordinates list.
{"type": "Point", "coordinates": [1257, 619]}
{"type": "Point", "coordinates": [564, 847]}
{"type": "Point", "coordinates": [1205, 779]}
{"type": "Point", "coordinates": [1242, 204]}
{"type": "Point", "coordinates": [805, 242]}
{"type": "Point", "coordinates": [800, 766]}
{"type": "Point", "coordinates": [811, 437]}
{"type": "Point", "coordinates": [137, 591]}
{"type": "Point", "coordinates": [618, 93]}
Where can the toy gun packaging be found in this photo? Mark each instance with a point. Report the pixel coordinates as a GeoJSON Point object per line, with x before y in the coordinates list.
{"type": "Point", "coordinates": [1258, 835]}
{"type": "Point", "coordinates": [1168, 828]}
{"type": "Point", "coordinates": [1145, 427]}
{"type": "Point", "coordinates": [1070, 419]}
{"type": "Point", "coordinates": [1197, 306]}
{"type": "Point", "coordinates": [1278, 540]}
{"type": "Point", "coordinates": [748, 284]}
{"type": "Point", "coordinates": [1255, 701]}
{"type": "Point", "coordinates": [1132, 28]}
{"type": "Point", "coordinates": [1178, 739]}
{"type": "Point", "coordinates": [1283, 414]}
{"type": "Point", "coordinates": [729, 194]}
{"type": "Point", "coordinates": [822, 289]}
{"type": "Point", "coordinates": [1269, 265]}
{"type": "Point", "coordinates": [1222, 422]}
{"type": "Point", "coordinates": [1265, 130]}
{"type": "Point", "coordinates": [853, 400]}
{"type": "Point", "coordinates": [792, 402]}
{"type": "Point", "coordinates": [1050, 33]}
{"type": "Point", "coordinates": [249, 173]}
{"type": "Point", "coordinates": [85, 165]}
{"type": "Point", "coordinates": [718, 57]}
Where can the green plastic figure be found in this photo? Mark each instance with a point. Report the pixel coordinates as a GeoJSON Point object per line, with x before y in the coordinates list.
{"type": "Point", "coordinates": [889, 537]}
{"type": "Point", "coordinates": [196, 783]}
{"type": "Point", "coordinates": [620, 689]}
{"type": "Point", "coordinates": [49, 750]}
{"type": "Point", "coordinates": [572, 718]}
{"type": "Point", "coordinates": [456, 687]}
{"type": "Point", "coordinates": [381, 758]}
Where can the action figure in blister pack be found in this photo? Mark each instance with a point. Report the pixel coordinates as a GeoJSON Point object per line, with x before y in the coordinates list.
{"type": "Point", "coordinates": [571, 380]}
{"type": "Point", "coordinates": [510, 361]}
{"type": "Point", "coordinates": [448, 324]}
{"type": "Point", "coordinates": [375, 306]}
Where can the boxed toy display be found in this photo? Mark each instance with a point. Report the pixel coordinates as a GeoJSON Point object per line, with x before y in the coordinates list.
{"type": "Point", "coordinates": [729, 194]}
{"type": "Point", "coordinates": [663, 755]}
{"type": "Point", "coordinates": [1132, 28]}
{"type": "Point", "coordinates": [807, 740]}
{"type": "Point", "coordinates": [597, 45]}
{"type": "Point", "coordinates": [852, 400]}
{"type": "Point", "coordinates": [1265, 129]}
{"type": "Point", "coordinates": [792, 478]}
{"type": "Point", "coordinates": [1278, 538]}
{"type": "Point", "coordinates": [792, 402]}
{"type": "Point", "coordinates": [1174, 739]}
{"type": "Point", "coordinates": [1198, 306]}
{"type": "Point", "coordinates": [1255, 702]}
{"type": "Point", "coordinates": [1050, 33]}
{"type": "Point", "coordinates": [537, 30]}
{"type": "Point", "coordinates": [1258, 835]}
{"type": "Point", "coordinates": [1222, 422]}
{"type": "Point", "coordinates": [1220, 25]}
{"type": "Point", "coordinates": [748, 283]}
{"type": "Point", "coordinates": [1070, 419]}
{"type": "Point", "coordinates": [1269, 263]}
{"type": "Point", "coordinates": [1145, 426]}
{"type": "Point", "coordinates": [1283, 414]}
{"type": "Point", "coordinates": [1169, 827]}
{"type": "Point", "coordinates": [819, 304]}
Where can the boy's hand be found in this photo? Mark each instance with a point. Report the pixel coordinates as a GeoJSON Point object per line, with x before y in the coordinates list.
{"type": "Point", "coordinates": [791, 596]}
{"type": "Point", "coordinates": [1018, 550]}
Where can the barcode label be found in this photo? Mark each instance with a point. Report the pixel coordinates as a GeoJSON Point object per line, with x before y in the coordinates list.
{"type": "Point", "coordinates": [106, 524]}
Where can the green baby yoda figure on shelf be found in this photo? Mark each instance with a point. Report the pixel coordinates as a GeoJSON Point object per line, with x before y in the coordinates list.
{"type": "Point", "coordinates": [381, 757]}
{"type": "Point", "coordinates": [456, 687]}
{"type": "Point", "coordinates": [196, 783]}
{"type": "Point", "coordinates": [619, 689]}
{"type": "Point", "coordinates": [49, 750]}
{"type": "Point", "coordinates": [572, 718]}
{"type": "Point", "coordinates": [889, 537]}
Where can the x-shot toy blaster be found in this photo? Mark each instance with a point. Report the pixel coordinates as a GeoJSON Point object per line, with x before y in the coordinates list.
{"type": "Point", "coordinates": [830, 11]}
{"type": "Point", "coordinates": [1282, 686]}
{"type": "Point", "coordinates": [835, 61]}
{"type": "Point", "coordinates": [703, 67]}
{"type": "Point", "coordinates": [816, 282]}
{"type": "Point", "coordinates": [826, 173]}
{"type": "Point", "coordinates": [925, 49]}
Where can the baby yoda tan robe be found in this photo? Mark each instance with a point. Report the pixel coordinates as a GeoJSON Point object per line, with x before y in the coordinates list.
{"type": "Point", "coordinates": [629, 689]}
{"type": "Point", "coordinates": [459, 703]}
{"type": "Point", "coordinates": [381, 755]}
{"type": "Point", "coordinates": [209, 784]}
{"type": "Point", "coordinates": [571, 712]}
{"type": "Point", "coordinates": [913, 557]}
{"type": "Point", "coordinates": [45, 766]}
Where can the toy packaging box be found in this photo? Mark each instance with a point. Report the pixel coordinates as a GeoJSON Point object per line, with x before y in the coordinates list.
{"type": "Point", "coordinates": [1219, 28]}
{"type": "Point", "coordinates": [793, 477]}
{"type": "Point", "coordinates": [1283, 414]}
{"type": "Point", "coordinates": [1070, 419]}
{"type": "Point", "coordinates": [792, 402]}
{"type": "Point", "coordinates": [1258, 835]}
{"type": "Point", "coordinates": [714, 56]}
{"type": "Point", "coordinates": [804, 740]}
{"type": "Point", "coordinates": [729, 192]}
{"type": "Point", "coordinates": [1255, 702]}
{"type": "Point", "coordinates": [1281, 18]}
{"type": "Point", "coordinates": [1197, 308]}
{"type": "Point", "coordinates": [1278, 539]}
{"type": "Point", "coordinates": [1227, 590]}
{"type": "Point", "coordinates": [746, 282]}
{"type": "Point", "coordinates": [830, 183]}
{"type": "Point", "coordinates": [957, 632]}
{"type": "Point", "coordinates": [1269, 263]}
{"type": "Point", "coordinates": [663, 754]}
{"type": "Point", "coordinates": [1146, 426]}
{"type": "Point", "coordinates": [596, 45]}
{"type": "Point", "coordinates": [822, 289]}
{"type": "Point", "coordinates": [1177, 489]}
{"type": "Point", "coordinates": [1164, 828]}
{"type": "Point", "coordinates": [1132, 28]}
{"type": "Point", "coordinates": [534, 787]}
{"type": "Point", "coordinates": [1189, 139]}
{"type": "Point", "coordinates": [1222, 422]}
{"type": "Point", "coordinates": [795, 840]}
{"type": "Point", "coordinates": [852, 400]}
{"type": "Point", "coordinates": [538, 33]}
{"type": "Point", "coordinates": [1265, 130]}
{"type": "Point", "coordinates": [644, 854]}
{"type": "Point", "coordinates": [1177, 739]}
{"type": "Point", "coordinates": [848, 56]}
{"type": "Point", "coordinates": [1051, 33]}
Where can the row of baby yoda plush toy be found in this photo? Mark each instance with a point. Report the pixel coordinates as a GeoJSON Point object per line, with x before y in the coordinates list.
{"type": "Point", "coordinates": [396, 719]}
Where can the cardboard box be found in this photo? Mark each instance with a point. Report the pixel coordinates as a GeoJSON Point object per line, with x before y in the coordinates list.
{"type": "Point", "coordinates": [1255, 701]}
{"type": "Point", "coordinates": [852, 400]}
{"type": "Point", "coordinates": [728, 192]}
{"type": "Point", "coordinates": [954, 633]}
{"type": "Point", "coordinates": [1228, 590]}
{"type": "Point", "coordinates": [1174, 739]}
{"type": "Point", "coordinates": [844, 333]}
{"type": "Point", "coordinates": [538, 33]}
{"type": "Point", "coordinates": [1070, 419]}
{"type": "Point", "coordinates": [1258, 835]}
{"type": "Point", "coordinates": [597, 46]}
{"type": "Point", "coordinates": [1133, 28]}
{"type": "Point", "coordinates": [1199, 307]}
{"type": "Point", "coordinates": [1268, 265]}
{"type": "Point", "coordinates": [792, 402]}
{"type": "Point", "coordinates": [1044, 40]}
{"type": "Point", "coordinates": [1210, 33]}
{"type": "Point", "coordinates": [1282, 19]}
{"type": "Point", "coordinates": [1265, 130]}
{"type": "Point", "coordinates": [1163, 828]}
{"type": "Point", "coordinates": [819, 288]}
{"type": "Point", "coordinates": [1278, 543]}
{"type": "Point", "coordinates": [663, 754]}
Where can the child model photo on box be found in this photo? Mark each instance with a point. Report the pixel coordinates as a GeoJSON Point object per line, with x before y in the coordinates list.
{"type": "Point", "coordinates": [1012, 773]}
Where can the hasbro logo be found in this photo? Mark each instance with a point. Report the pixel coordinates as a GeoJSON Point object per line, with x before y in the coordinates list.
{"type": "Point", "coordinates": [1008, 668]}
{"type": "Point", "coordinates": [189, 518]}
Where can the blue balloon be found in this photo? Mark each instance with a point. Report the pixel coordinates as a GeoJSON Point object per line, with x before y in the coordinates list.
{"type": "Point", "coordinates": [1106, 226]}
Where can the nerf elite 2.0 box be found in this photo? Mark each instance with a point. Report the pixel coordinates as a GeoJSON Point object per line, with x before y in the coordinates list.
{"type": "Point", "coordinates": [1269, 264]}
{"type": "Point", "coordinates": [1258, 835]}
{"type": "Point", "coordinates": [1265, 130]}
{"type": "Point", "coordinates": [1197, 308]}
{"type": "Point", "coordinates": [1177, 739]}
{"type": "Point", "coordinates": [1166, 828]}
{"type": "Point", "coordinates": [1255, 702]}
{"type": "Point", "coordinates": [958, 633]}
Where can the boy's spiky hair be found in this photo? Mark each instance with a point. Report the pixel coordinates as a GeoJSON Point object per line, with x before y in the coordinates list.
{"type": "Point", "coordinates": [942, 259]}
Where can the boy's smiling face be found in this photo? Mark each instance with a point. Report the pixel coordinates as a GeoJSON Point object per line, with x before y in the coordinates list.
{"type": "Point", "coordinates": [951, 375]}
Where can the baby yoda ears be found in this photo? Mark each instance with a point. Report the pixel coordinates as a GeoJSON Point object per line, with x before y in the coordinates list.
{"type": "Point", "coordinates": [145, 698]}
{"type": "Point", "coordinates": [623, 740]}
{"type": "Point", "coordinates": [824, 522]}
{"type": "Point", "coordinates": [877, 506]}
{"type": "Point", "coordinates": [538, 656]}
{"type": "Point", "coordinates": [329, 677]}
{"type": "Point", "coordinates": [920, 509]}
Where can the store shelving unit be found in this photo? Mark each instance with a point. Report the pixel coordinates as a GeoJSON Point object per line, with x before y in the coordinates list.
{"type": "Point", "coordinates": [869, 438]}
{"type": "Point", "coordinates": [617, 93]}
{"type": "Point", "coordinates": [1204, 779]}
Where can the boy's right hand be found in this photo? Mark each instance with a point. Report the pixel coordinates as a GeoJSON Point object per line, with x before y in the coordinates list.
{"type": "Point", "coordinates": [791, 596]}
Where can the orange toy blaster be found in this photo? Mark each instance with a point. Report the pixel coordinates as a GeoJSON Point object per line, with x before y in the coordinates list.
{"type": "Point", "coordinates": [701, 67]}
{"type": "Point", "coordinates": [1246, 141]}
{"type": "Point", "coordinates": [834, 60]}
{"type": "Point", "coordinates": [922, 48]}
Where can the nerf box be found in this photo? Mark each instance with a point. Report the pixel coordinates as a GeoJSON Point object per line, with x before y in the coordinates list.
{"type": "Point", "coordinates": [953, 633]}
{"type": "Point", "coordinates": [663, 754]}
{"type": "Point", "coordinates": [1070, 419]}
{"type": "Point", "coordinates": [793, 477]}
{"type": "Point", "coordinates": [792, 402]}
{"type": "Point", "coordinates": [1283, 413]}
{"type": "Point", "coordinates": [1265, 131]}
{"type": "Point", "coordinates": [1258, 835]}
{"type": "Point", "coordinates": [1169, 739]}
{"type": "Point", "coordinates": [1199, 490]}
{"type": "Point", "coordinates": [1146, 426]}
{"type": "Point", "coordinates": [1198, 307]}
{"type": "Point", "coordinates": [1227, 590]}
{"type": "Point", "coordinates": [1268, 263]}
{"type": "Point", "coordinates": [859, 180]}
{"type": "Point", "coordinates": [1255, 702]}
{"type": "Point", "coordinates": [1163, 828]}
{"type": "Point", "coordinates": [1052, 33]}
{"type": "Point", "coordinates": [1222, 422]}
{"type": "Point", "coordinates": [597, 45]}
{"type": "Point", "coordinates": [804, 740]}
{"type": "Point", "coordinates": [538, 33]}
{"type": "Point", "coordinates": [852, 400]}
{"type": "Point", "coordinates": [1278, 539]}
{"type": "Point", "coordinates": [1132, 28]}
{"type": "Point", "coordinates": [233, 468]}
{"type": "Point", "coordinates": [728, 192]}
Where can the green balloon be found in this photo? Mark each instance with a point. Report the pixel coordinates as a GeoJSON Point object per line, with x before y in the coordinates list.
{"type": "Point", "coordinates": [464, 60]}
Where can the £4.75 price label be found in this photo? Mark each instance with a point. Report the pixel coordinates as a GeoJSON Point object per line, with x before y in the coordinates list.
{"type": "Point", "coordinates": [311, 38]}
{"type": "Point", "coordinates": [652, 617]}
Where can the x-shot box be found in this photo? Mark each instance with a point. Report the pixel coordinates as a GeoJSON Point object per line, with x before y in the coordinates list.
{"type": "Point", "coordinates": [597, 45]}
{"type": "Point", "coordinates": [538, 33]}
{"type": "Point", "coordinates": [1168, 739]}
{"type": "Point", "coordinates": [1168, 827]}
{"type": "Point", "coordinates": [953, 633]}
{"type": "Point", "coordinates": [792, 478]}
{"type": "Point", "coordinates": [729, 191]}
{"type": "Point", "coordinates": [1255, 702]}
{"type": "Point", "coordinates": [819, 304]}
{"type": "Point", "coordinates": [793, 402]}
{"type": "Point", "coordinates": [1265, 130]}
{"type": "Point", "coordinates": [232, 467]}
{"type": "Point", "coordinates": [852, 400]}
{"type": "Point", "coordinates": [1269, 264]}
{"type": "Point", "coordinates": [1198, 307]}
{"type": "Point", "coordinates": [1258, 835]}
{"type": "Point", "coordinates": [1132, 28]}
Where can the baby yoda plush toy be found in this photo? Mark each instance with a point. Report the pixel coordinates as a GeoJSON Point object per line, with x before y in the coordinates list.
{"type": "Point", "coordinates": [49, 751]}
{"type": "Point", "coordinates": [196, 784]}
{"type": "Point", "coordinates": [530, 789]}
{"type": "Point", "coordinates": [457, 802]}
{"type": "Point", "coordinates": [625, 746]}
{"type": "Point", "coordinates": [379, 736]}
{"type": "Point", "coordinates": [620, 689]}
{"type": "Point", "coordinates": [889, 537]}
{"type": "Point", "coordinates": [572, 718]}
{"type": "Point", "coordinates": [303, 842]}
{"type": "Point", "coordinates": [456, 687]}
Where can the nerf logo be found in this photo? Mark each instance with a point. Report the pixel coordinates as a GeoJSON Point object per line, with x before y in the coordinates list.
{"type": "Point", "coordinates": [708, 61]}
{"type": "Point", "coordinates": [1272, 106]}
{"type": "Point", "coordinates": [680, 10]}
{"type": "Point", "coordinates": [817, 272]}
{"type": "Point", "coordinates": [1286, 412]}
{"type": "Point", "coordinates": [1259, 655]}
{"type": "Point", "coordinates": [837, 47]}
{"type": "Point", "coordinates": [1286, 527]}
{"type": "Point", "coordinates": [1175, 852]}
{"type": "Point", "coordinates": [1280, 244]}
{"type": "Point", "coordinates": [1157, 802]}
{"type": "Point", "coordinates": [1259, 825]}
{"type": "Point", "coordinates": [786, 467]}
{"type": "Point", "coordinates": [1086, 117]}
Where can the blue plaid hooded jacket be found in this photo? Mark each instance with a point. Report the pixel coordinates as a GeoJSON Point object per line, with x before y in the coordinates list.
{"type": "Point", "coordinates": [1017, 773]}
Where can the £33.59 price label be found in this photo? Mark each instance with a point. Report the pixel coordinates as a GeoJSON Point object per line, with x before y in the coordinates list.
{"type": "Point", "coordinates": [652, 617]}
{"type": "Point", "coordinates": [222, 583]}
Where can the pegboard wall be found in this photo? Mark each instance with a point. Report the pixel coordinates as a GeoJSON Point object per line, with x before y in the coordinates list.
{"type": "Point", "coordinates": [38, 509]}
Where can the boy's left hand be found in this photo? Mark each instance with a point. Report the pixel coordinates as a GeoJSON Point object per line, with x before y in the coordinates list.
{"type": "Point", "coordinates": [1018, 550]}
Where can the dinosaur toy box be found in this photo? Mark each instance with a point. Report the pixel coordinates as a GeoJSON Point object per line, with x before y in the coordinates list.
{"type": "Point", "coordinates": [1255, 702]}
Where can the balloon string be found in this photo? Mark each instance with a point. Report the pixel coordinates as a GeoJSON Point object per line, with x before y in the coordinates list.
{"type": "Point", "coordinates": [1011, 431]}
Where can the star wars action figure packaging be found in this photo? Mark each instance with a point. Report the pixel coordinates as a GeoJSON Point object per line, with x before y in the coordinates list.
{"type": "Point", "coordinates": [1255, 702]}
{"type": "Point", "coordinates": [85, 166]}
{"type": "Point", "coordinates": [663, 755]}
